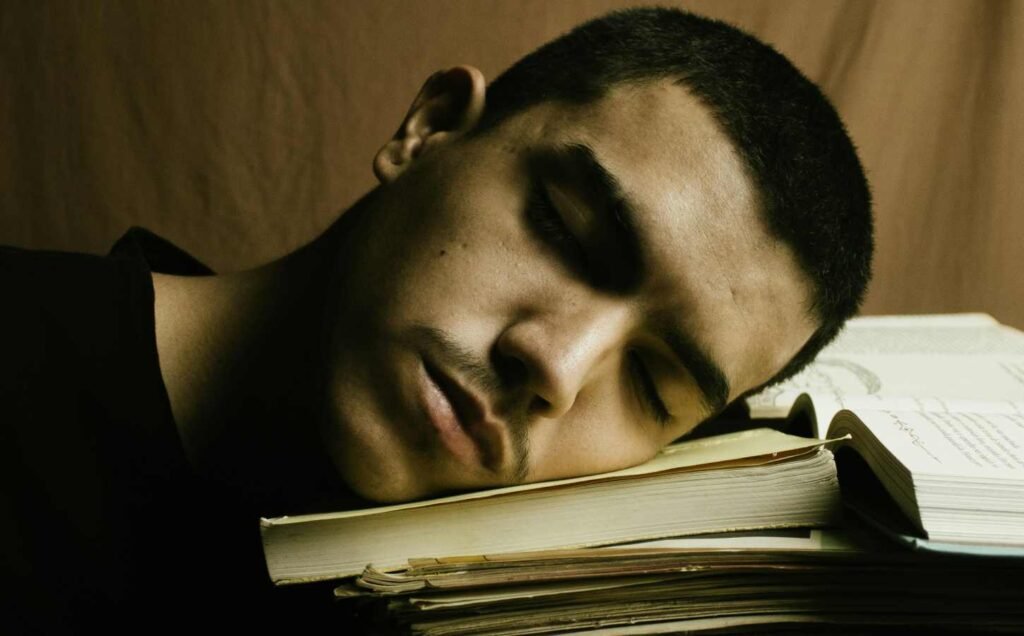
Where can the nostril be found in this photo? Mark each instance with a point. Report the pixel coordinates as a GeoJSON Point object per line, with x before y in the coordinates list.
{"type": "Point", "coordinates": [512, 371]}
{"type": "Point", "coordinates": [539, 406]}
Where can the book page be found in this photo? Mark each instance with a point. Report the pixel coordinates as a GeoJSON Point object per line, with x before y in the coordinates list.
{"type": "Point", "coordinates": [910, 363]}
{"type": "Point", "coordinates": [964, 320]}
{"type": "Point", "coordinates": [806, 539]}
{"type": "Point", "coordinates": [948, 444]}
{"type": "Point", "coordinates": [826, 408]}
{"type": "Point", "coordinates": [974, 334]}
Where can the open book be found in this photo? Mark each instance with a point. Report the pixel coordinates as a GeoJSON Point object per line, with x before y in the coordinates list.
{"type": "Point", "coordinates": [956, 363]}
{"type": "Point", "coordinates": [934, 407]}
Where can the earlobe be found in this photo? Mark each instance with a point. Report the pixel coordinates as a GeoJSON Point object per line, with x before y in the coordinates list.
{"type": "Point", "coordinates": [393, 157]}
{"type": "Point", "coordinates": [449, 105]}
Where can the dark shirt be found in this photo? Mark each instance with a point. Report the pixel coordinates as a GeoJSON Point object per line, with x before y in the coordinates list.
{"type": "Point", "coordinates": [104, 522]}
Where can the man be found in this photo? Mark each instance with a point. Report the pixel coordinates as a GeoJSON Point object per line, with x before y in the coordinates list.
{"type": "Point", "coordinates": [631, 228]}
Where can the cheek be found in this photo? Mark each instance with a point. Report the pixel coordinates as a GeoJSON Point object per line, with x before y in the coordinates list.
{"type": "Point", "coordinates": [458, 243]}
{"type": "Point", "coordinates": [369, 458]}
{"type": "Point", "coordinates": [599, 434]}
{"type": "Point", "coordinates": [475, 262]}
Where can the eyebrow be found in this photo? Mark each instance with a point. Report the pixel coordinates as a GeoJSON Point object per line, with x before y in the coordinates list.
{"type": "Point", "coordinates": [616, 205]}
{"type": "Point", "coordinates": [713, 384]}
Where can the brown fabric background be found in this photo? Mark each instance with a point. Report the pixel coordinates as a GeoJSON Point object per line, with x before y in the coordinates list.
{"type": "Point", "coordinates": [240, 129]}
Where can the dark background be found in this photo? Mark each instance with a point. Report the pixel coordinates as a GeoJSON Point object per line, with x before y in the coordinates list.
{"type": "Point", "coordinates": [240, 129]}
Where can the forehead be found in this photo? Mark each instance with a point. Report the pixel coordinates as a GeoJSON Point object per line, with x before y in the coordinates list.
{"type": "Point", "coordinates": [714, 268]}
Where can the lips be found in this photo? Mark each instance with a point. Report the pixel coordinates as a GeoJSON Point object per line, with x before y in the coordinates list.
{"type": "Point", "coordinates": [461, 419]}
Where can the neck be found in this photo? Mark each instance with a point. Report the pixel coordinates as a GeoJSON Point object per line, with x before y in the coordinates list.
{"type": "Point", "coordinates": [239, 357]}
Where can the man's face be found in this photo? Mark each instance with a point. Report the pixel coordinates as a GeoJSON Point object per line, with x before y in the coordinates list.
{"type": "Point", "coordinates": [561, 295]}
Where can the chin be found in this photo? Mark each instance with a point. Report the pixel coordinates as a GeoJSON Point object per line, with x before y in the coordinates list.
{"type": "Point", "coordinates": [376, 474]}
{"type": "Point", "coordinates": [380, 488]}
{"type": "Point", "coordinates": [369, 457]}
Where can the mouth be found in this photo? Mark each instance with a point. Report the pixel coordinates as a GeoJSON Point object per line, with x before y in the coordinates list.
{"type": "Point", "coordinates": [461, 420]}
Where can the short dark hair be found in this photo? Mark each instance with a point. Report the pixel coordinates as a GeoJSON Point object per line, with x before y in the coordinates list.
{"type": "Point", "coordinates": [813, 192]}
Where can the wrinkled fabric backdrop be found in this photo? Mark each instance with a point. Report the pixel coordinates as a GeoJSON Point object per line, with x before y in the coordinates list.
{"type": "Point", "coordinates": [239, 130]}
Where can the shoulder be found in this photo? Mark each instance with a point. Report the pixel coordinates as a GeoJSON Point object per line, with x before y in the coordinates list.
{"type": "Point", "coordinates": [41, 278]}
{"type": "Point", "coordinates": [60, 307]}
{"type": "Point", "coordinates": [90, 460]}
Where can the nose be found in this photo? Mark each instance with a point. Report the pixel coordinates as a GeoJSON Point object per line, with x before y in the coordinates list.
{"type": "Point", "coordinates": [558, 353]}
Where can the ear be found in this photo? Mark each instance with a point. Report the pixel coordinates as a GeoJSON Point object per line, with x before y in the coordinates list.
{"type": "Point", "coordinates": [449, 105]}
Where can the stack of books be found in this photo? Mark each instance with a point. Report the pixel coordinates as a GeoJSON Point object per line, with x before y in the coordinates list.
{"type": "Point", "coordinates": [806, 579]}
{"type": "Point", "coordinates": [906, 510]}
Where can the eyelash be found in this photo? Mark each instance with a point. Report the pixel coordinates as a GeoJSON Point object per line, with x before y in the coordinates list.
{"type": "Point", "coordinates": [546, 220]}
{"type": "Point", "coordinates": [647, 390]}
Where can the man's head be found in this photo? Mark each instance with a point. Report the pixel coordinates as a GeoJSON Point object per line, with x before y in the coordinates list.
{"type": "Point", "coordinates": [812, 189]}
{"type": "Point", "coordinates": [635, 225]}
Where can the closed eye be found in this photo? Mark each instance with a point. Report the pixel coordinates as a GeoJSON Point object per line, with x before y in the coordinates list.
{"type": "Point", "coordinates": [646, 389]}
{"type": "Point", "coordinates": [548, 224]}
